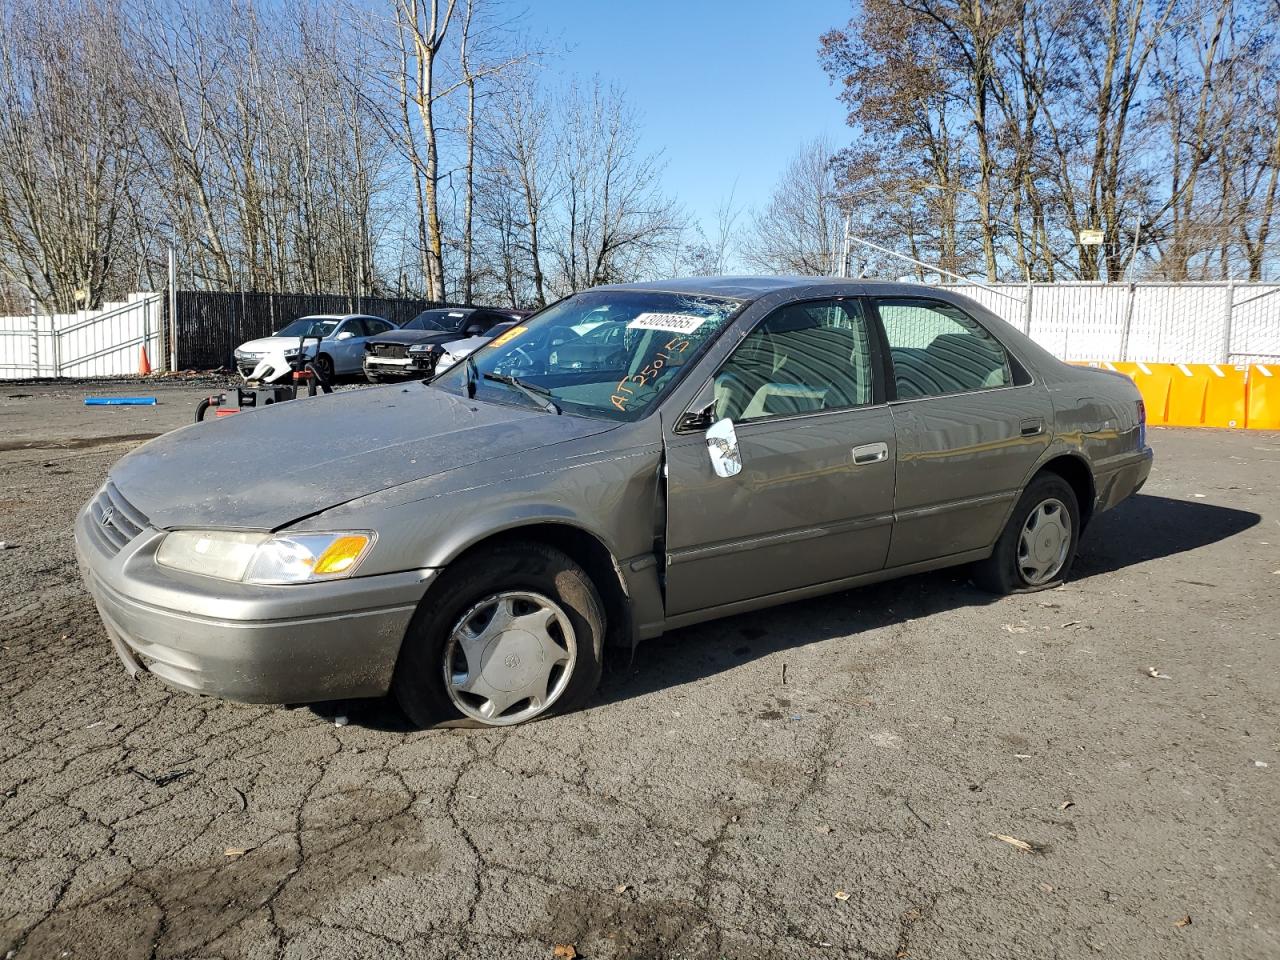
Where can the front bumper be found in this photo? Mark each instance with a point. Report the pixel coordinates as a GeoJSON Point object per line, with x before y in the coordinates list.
{"type": "Point", "coordinates": [288, 644]}
{"type": "Point", "coordinates": [411, 365]}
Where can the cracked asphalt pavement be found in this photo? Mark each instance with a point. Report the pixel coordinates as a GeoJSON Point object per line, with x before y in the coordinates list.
{"type": "Point", "coordinates": [831, 778]}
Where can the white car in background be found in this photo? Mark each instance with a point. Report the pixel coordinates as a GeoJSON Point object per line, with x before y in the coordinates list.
{"type": "Point", "coordinates": [459, 350]}
{"type": "Point", "coordinates": [339, 352]}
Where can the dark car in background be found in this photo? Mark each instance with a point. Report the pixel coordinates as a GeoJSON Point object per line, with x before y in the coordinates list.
{"type": "Point", "coordinates": [414, 349]}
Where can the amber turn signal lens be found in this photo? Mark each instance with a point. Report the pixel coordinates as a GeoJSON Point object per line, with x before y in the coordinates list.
{"type": "Point", "coordinates": [341, 555]}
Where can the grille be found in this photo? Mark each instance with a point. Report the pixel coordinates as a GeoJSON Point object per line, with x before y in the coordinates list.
{"type": "Point", "coordinates": [113, 521]}
{"type": "Point", "coordinates": [394, 350]}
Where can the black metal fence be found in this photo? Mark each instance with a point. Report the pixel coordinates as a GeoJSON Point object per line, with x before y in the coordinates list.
{"type": "Point", "coordinates": [211, 325]}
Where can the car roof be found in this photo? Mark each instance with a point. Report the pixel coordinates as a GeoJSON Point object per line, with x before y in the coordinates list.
{"type": "Point", "coordinates": [338, 316]}
{"type": "Point", "coordinates": [747, 287]}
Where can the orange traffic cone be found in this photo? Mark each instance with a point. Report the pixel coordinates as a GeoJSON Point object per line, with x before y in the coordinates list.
{"type": "Point", "coordinates": [144, 362]}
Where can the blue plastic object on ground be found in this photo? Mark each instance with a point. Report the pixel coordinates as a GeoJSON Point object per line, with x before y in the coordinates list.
{"type": "Point", "coordinates": [119, 401]}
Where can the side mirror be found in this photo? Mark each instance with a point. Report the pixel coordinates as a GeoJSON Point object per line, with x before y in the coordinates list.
{"type": "Point", "coordinates": [474, 331]}
{"type": "Point", "coordinates": [345, 335]}
{"type": "Point", "coordinates": [722, 447]}
{"type": "Point", "coordinates": [696, 421]}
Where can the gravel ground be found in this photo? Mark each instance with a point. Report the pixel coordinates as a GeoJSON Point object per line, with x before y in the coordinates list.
{"type": "Point", "coordinates": [833, 778]}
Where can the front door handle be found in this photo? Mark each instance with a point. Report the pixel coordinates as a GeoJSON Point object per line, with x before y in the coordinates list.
{"type": "Point", "coordinates": [1033, 426]}
{"type": "Point", "coordinates": [870, 453]}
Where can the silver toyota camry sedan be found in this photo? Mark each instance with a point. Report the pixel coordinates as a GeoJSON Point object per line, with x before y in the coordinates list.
{"type": "Point", "coordinates": [630, 460]}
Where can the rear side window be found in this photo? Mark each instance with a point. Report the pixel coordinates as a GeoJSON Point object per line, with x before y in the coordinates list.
{"type": "Point", "coordinates": [802, 358]}
{"type": "Point", "coordinates": [938, 349]}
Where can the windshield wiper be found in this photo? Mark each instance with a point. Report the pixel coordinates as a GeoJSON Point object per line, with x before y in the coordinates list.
{"type": "Point", "coordinates": [539, 395]}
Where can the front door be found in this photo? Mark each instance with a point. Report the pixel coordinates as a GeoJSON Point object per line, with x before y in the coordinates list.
{"type": "Point", "coordinates": [813, 502]}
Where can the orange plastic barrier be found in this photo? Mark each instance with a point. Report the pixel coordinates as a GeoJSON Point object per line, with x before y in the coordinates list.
{"type": "Point", "coordinates": [1264, 397]}
{"type": "Point", "coordinates": [1155, 383]}
{"type": "Point", "coordinates": [1226, 395]}
{"type": "Point", "coordinates": [1206, 394]}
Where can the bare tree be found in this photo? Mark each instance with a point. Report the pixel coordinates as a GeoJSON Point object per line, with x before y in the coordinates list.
{"type": "Point", "coordinates": [422, 26]}
{"type": "Point", "coordinates": [68, 157]}
{"type": "Point", "coordinates": [614, 220]}
{"type": "Point", "coordinates": [800, 229]}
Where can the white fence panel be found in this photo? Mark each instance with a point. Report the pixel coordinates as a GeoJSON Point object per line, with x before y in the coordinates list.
{"type": "Point", "coordinates": [1153, 322]}
{"type": "Point", "coordinates": [1255, 324]}
{"type": "Point", "coordinates": [1184, 323]}
{"type": "Point", "coordinates": [89, 343]}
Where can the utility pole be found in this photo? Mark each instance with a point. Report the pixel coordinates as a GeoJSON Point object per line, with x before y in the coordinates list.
{"type": "Point", "coordinates": [173, 309]}
{"type": "Point", "coordinates": [844, 255]}
{"type": "Point", "coordinates": [1137, 232]}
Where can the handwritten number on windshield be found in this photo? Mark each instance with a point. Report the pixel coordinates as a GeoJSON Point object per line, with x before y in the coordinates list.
{"type": "Point", "coordinates": [649, 373]}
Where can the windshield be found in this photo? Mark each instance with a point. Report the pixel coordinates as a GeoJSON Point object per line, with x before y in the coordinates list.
{"type": "Point", "coordinates": [309, 327]}
{"type": "Point", "coordinates": [602, 353]}
{"type": "Point", "coordinates": [445, 321]}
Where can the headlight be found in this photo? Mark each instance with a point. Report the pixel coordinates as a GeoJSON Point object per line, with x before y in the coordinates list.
{"type": "Point", "coordinates": [263, 558]}
{"type": "Point", "coordinates": [420, 348]}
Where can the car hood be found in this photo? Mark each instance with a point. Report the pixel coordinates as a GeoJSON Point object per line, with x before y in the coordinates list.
{"type": "Point", "coordinates": [413, 336]}
{"type": "Point", "coordinates": [267, 468]}
{"type": "Point", "coordinates": [274, 344]}
{"type": "Point", "coordinates": [456, 347]}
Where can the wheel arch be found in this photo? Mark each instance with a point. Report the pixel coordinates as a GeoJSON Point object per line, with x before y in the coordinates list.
{"type": "Point", "coordinates": [584, 547]}
{"type": "Point", "coordinates": [1075, 470]}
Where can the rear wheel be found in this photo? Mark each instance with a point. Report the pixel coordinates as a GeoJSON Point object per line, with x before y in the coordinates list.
{"type": "Point", "coordinates": [1038, 544]}
{"type": "Point", "coordinates": [507, 635]}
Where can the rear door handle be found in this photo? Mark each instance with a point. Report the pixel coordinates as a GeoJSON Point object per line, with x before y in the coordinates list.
{"type": "Point", "coordinates": [1033, 426]}
{"type": "Point", "coordinates": [870, 453]}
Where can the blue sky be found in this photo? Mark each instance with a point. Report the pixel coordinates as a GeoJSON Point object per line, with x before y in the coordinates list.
{"type": "Point", "coordinates": [726, 89]}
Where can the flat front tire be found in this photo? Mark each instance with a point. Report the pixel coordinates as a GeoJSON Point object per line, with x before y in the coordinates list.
{"type": "Point", "coordinates": [507, 635]}
{"type": "Point", "coordinates": [1038, 545]}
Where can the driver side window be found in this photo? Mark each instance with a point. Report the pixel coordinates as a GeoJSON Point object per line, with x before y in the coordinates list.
{"type": "Point", "coordinates": [802, 358]}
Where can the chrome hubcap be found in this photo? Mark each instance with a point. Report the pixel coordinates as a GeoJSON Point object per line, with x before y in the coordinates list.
{"type": "Point", "coordinates": [509, 657]}
{"type": "Point", "coordinates": [1045, 540]}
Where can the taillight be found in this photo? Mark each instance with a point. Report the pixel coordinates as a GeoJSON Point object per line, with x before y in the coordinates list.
{"type": "Point", "coordinates": [1142, 423]}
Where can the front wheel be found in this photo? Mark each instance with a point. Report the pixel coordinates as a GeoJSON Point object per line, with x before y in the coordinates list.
{"type": "Point", "coordinates": [1038, 544]}
{"type": "Point", "coordinates": [324, 366]}
{"type": "Point", "coordinates": [507, 635]}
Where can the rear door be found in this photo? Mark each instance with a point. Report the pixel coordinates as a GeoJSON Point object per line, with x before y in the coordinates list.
{"type": "Point", "coordinates": [813, 502]}
{"type": "Point", "coordinates": [970, 425]}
